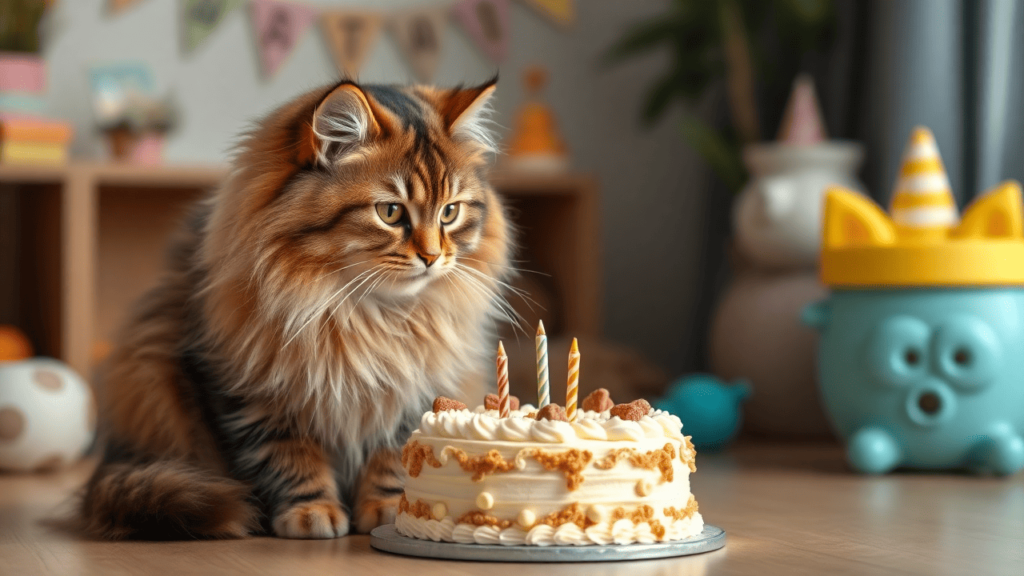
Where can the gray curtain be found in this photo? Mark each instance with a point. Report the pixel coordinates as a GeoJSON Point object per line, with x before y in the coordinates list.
{"type": "Point", "coordinates": [956, 67]}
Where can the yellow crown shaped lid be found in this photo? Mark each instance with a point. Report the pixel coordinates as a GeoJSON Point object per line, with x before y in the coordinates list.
{"type": "Point", "coordinates": [923, 242]}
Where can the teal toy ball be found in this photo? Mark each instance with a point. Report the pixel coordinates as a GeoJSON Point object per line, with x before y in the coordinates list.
{"type": "Point", "coordinates": [710, 410]}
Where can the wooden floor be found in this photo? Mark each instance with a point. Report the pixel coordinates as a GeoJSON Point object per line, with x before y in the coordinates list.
{"type": "Point", "coordinates": [787, 510]}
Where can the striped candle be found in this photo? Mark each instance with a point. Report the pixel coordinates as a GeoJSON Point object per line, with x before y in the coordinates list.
{"type": "Point", "coordinates": [543, 397]}
{"type": "Point", "coordinates": [572, 385]}
{"type": "Point", "coordinates": [503, 402]}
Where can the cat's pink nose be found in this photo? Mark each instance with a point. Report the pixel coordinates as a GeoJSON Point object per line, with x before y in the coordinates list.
{"type": "Point", "coordinates": [428, 259]}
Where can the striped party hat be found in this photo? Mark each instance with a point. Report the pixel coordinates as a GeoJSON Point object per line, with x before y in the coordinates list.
{"type": "Point", "coordinates": [922, 198]}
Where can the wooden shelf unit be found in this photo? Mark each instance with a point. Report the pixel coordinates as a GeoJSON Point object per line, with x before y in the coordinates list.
{"type": "Point", "coordinates": [80, 243]}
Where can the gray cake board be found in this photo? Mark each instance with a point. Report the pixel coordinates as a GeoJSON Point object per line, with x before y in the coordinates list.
{"type": "Point", "coordinates": [386, 538]}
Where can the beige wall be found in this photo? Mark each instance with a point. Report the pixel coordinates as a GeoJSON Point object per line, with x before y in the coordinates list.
{"type": "Point", "coordinates": [653, 187]}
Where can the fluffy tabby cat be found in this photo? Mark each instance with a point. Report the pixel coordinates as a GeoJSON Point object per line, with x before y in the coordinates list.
{"type": "Point", "coordinates": [345, 274]}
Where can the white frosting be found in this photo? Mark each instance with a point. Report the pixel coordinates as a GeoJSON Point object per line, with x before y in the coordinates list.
{"type": "Point", "coordinates": [532, 492]}
{"type": "Point", "coordinates": [482, 424]}
{"type": "Point", "coordinates": [621, 532]}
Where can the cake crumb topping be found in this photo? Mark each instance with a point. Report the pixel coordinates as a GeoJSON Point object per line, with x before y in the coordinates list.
{"type": "Point", "coordinates": [572, 513]}
{"type": "Point", "coordinates": [478, 518]}
{"type": "Point", "coordinates": [442, 404]}
{"type": "Point", "coordinates": [682, 513]}
{"type": "Point", "coordinates": [552, 412]}
{"type": "Point", "coordinates": [414, 455]}
{"type": "Point", "coordinates": [420, 509]}
{"type": "Point", "coordinates": [571, 463]}
{"type": "Point", "coordinates": [598, 401]}
{"type": "Point", "coordinates": [481, 465]}
{"type": "Point", "coordinates": [651, 460]}
{"type": "Point", "coordinates": [642, 514]}
{"type": "Point", "coordinates": [492, 402]}
{"type": "Point", "coordinates": [634, 411]}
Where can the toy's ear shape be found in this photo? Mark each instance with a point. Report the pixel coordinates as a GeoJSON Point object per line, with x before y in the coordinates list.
{"type": "Point", "coordinates": [997, 214]}
{"type": "Point", "coordinates": [852, 219]}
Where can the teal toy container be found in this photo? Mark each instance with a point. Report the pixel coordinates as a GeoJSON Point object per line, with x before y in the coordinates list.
{"type": "Point", "coordinates": [921, 347]}
{"type": "Point", "coordinates": [930, 379]}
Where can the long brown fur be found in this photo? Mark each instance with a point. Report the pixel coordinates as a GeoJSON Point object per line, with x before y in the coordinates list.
{"type": "Point", "coordinates": [296, 338]}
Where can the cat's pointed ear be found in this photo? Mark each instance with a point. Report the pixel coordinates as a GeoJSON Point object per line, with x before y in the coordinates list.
{"type": "Point", "coordinates": [466, 112]}
{"type": "Point", "coordinates": [343, 123]}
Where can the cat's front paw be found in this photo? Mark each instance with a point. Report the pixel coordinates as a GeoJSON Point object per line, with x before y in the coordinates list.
{"type": "Point", "coordinates": [317, 519]}
{"type": "Point", "coordinates": [371, 513]}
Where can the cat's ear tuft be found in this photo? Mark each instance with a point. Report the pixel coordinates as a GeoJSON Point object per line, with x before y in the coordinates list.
{"type": "Point", "coordinates": [466, 113]}
{"type": "Point", "coordinates": [342, 123]}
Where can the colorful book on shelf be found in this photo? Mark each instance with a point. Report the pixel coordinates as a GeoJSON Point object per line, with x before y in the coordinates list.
{"type": "Point", "coordinates": [15, 152]}
{"type": "Point", "coordinates": [28, 139]}
{"type": "Point", "coordinates": [24, 127]}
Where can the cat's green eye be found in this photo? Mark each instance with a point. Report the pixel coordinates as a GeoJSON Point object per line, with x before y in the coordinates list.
{"type": "Point", "coordinates": [450, 212]}
{"type": "Point", "coordinates": [390, 213]}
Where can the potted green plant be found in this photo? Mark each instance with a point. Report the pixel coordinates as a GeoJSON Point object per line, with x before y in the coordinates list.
{"type": "Point", "coordinates": [712, 43]}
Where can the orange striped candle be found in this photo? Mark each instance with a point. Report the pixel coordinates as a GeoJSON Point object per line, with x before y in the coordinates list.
{"type": "Point", "coordinates": [572, 386]}
{"type": "Point", "coordinates": [503, 402]}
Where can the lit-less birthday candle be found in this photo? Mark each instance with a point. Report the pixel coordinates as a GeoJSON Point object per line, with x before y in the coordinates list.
{"type": "Point", "coordinates": [503, 405]}
{"type": "Point", "coordinates": [543, 398]}
{"type": "Point", "coordinates": [572, 385]}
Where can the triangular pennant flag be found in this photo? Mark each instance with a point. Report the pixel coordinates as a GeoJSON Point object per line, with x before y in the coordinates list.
{"type": "Point", "coordinates": [116, 6]}
{"type": "Point", "coordinates": [350, 34]}
{"type": "Point", "coordinates": [278, 26]}
{"type": "Point", "coordinates": [922, 198]}
{"type": "Point", "coordinates": [199, 18]}
{"type": "Point", "coordinates": [418, 34]}
{"type": "Point", "coordinates": [560, 11]}
{"type": "Point", "coordinates": [802, 124]}
{"type": "Point", "coordinates": [486, 22]}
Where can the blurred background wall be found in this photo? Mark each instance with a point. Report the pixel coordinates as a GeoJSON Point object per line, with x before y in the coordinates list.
{"type": "Point", "coordinates": [653, 187]}
{"type": "Point", "coordinates": [665, 227]}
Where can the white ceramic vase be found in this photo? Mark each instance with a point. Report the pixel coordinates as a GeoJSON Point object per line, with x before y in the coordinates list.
{"type": "Point", "coordinates": [777, 216]}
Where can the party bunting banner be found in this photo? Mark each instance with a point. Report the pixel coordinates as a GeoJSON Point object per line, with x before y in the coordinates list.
{"type": "Point", "coordinates": [350, 35]}
{"type": "Point", "coordinates": [278, 26]}
{"type": "Point", "coordinates": [199, 18]}
{"type": "Point", "coordinates": [418, 35]}
{"type": "Point", "coordinates": [116, 6]}
{"type": "Point", "coordinates": [560, 11]}
{"type": "Point", "coordinates": [486, 22]}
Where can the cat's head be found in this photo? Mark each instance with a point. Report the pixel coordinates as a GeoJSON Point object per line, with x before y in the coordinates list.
{"type": "Point", "coordinates": [366, 190]}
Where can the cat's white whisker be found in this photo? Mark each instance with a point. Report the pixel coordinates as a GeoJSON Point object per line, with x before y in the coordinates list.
{"type": "Point", "coordinates": [497, 299]}
{"type": "Point", "coordinates": [517, 291]}
{"type": "Point", "coordinates": [326, 303]}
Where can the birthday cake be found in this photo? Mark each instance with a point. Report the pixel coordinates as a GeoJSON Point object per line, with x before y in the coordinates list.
{"type": "Point", "coordinates": [520, 476]}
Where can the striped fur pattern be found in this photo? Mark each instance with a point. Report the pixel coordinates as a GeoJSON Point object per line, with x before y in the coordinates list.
{"type": "Point", "coordinates": [265, 385]}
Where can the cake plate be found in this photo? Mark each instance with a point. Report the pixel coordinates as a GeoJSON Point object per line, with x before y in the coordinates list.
{"type": "Point", "coordinates": [387, 539]}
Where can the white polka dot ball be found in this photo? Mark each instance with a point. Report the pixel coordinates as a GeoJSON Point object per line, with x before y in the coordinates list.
{"type": "Point", "coordinates": [47, 415]}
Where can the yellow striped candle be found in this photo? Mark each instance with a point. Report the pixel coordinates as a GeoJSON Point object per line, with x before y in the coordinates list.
{"type": "Point", "coordinates": [503, 402]}
{"type": "Point", "coordinates": [543, 398]}
{"type": "Point", "coordinates": [572, 386]}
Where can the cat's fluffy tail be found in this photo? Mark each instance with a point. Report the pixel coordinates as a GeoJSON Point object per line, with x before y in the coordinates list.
{"type": "Point", "coordinates": [165, 500]}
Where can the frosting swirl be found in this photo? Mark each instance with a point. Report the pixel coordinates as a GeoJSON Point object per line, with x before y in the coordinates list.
{"type": "Point", "coordinates": [485, 425]}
